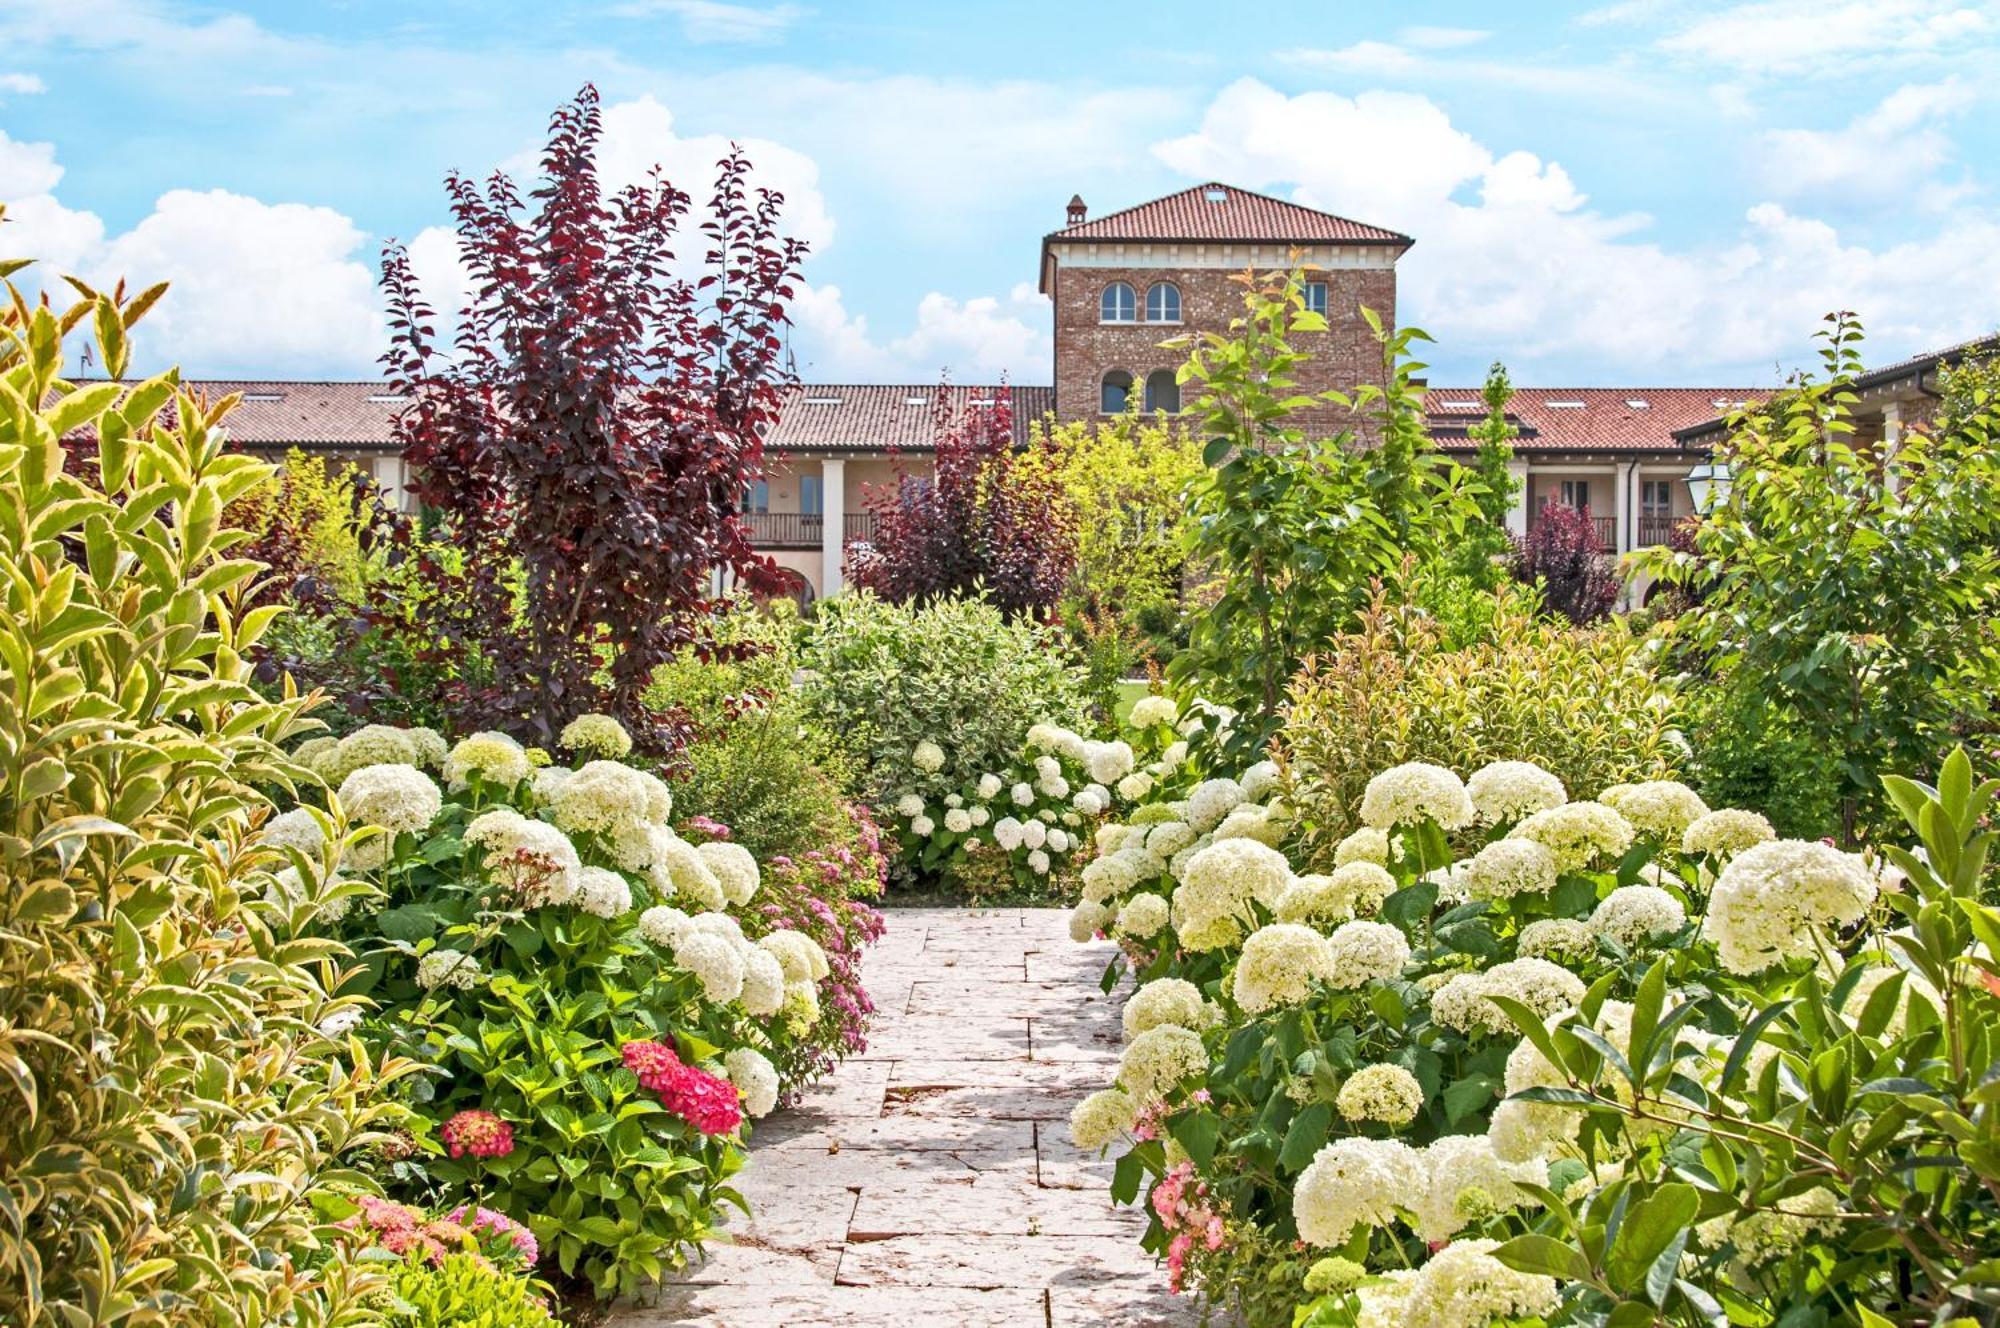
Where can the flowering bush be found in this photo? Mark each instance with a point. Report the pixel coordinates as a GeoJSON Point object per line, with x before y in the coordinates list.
{"type": "Point", "coordinates": [1024, 820]}
{"type": "Point", "coordinates": [600, 1002]}
{"type": "Point", "coordinates": [1423, 1087]}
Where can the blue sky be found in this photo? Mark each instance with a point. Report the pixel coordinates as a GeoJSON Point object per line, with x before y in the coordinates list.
{"type": "Point", "coordinates": [1628, 192]}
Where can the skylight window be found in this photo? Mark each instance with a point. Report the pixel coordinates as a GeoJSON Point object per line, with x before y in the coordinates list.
{"type": "Point", "coordinates": [1563, 405]}
{"type": "Point", "coordinates": [264, 396]}
{"type": "Point", "coordinates": [916, 401]}
{"type": "Point", "coordinates": [985, 401]}
{"type": "Point", "coordinates": [1216, 195]}
{"type": "Point", "coordinates": [1462, 407]}
{"type": "Point", "coordinates": [1638, 403]}
{"type": "Point", "coordinates": [385, 398]}
{"type": "Point", "coordinates": [822, 401]}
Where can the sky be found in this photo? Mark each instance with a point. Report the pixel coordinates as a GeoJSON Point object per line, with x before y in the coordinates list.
{"type": "Point", "coordinates": [1632, 192]}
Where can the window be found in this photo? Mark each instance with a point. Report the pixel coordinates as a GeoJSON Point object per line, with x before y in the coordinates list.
{"type": "Point", "coordinates": [1115, 391]}
{"type": "Point", "coordinates": [1163, 302]}
{"type": "Point", "coordinates": [758, 498]}
{"type": "Point", "coordinates": [1576, 493]}
{"type": "Point", "coordinates": [1316, 298]}
{"type": "Point", "coordinates": [1162, 392]}
{"type": "Point", "coordinates": [812, 494]}
{"type": "Point", "coordinates": [1656, 498]}
{"type": "Point", "coordinates": [1117, 304]}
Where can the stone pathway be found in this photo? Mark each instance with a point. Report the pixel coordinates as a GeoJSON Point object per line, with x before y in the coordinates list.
{"type": "Point", "coordinates": [933, 1181]}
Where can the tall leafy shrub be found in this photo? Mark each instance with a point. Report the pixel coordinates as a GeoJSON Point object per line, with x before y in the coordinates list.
{"type": "Point", "coordinates": [1562, 557]}
{"type": "Point", "coordinates": [588, 438]}
{"type": "Point", "coordinates": [172, 1119]}
{"type": "Point", "coordinates": [1584, 704]}
{"type": "Point", "coordinates": [1854, 591]}
{"type": "Point", "coordinates": [1294, 526]}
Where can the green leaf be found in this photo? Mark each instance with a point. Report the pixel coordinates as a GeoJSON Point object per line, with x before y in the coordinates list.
{"type": "Point", "coordinates": [1306, 1137]}
{"type": "Point", "coordinates": [1198, 1132]}
{"type": "Point", "coordinates": [1652, 1226]}
{"type": "Point", "coordinates": [1534, 1253]}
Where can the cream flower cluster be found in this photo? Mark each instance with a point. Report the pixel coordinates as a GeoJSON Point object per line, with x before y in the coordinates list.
{"type": "Point", "coordinates": [1279, 965]}
{"type": "Point", "coordinates": [1364, 952]}
{"type": "Point", "coordinates": [1168, 1001]}
{"type": "Point", "coordinates": [1463, 1286]}
{"type": "Point", "coordinates": [1388, 1094]}
{"type": "Point", "coordinates": [333, 760]}
{"type": "Point", "coordinates": [1662, 808]}
{"type": "Point", "coordinates": [1218, 882]}
{"type": "Point", "coordinates": [1414, 792]}
{"type": "Point", "coordinates": [1103, 1118]}
{"type": "Point", "coordinates": [1545, 988]}
{"type": "Point", "coordinates": [495, 758]}
{"type": "Point", "coordinates": [1635, 914]}
{"type": "Point", "coordinates": [1365, 845]}
{"type": "Point", "coordinates": [536, 862]}
{"type": "Point", "coordinates": [1725, 832]}
{"type": "Point", "coordinates": [452, 969]}
{"type": "Point", "coordinates": [1577, 833]}
{"type": "Point", "coordinates": [1160, 1059]}
{"type": "Point", "coordinates": [1353, 1182]}
{"type": "Point", "coordinates": [1152, 710]}
{"type": "Point", "coordinates": [1505, 791]}
{"type": "Point", "coordinates": [756, 1079]}
{"type": "Point", "coordinates": [1509, 867]}
{"type": "Point", "coordinates": [595, 735]}
{"type": "Point", "coordinates": [1779, 900]}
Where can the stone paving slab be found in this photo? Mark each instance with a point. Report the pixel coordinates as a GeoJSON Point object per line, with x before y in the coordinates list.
{"type": "Point", "coordinates": [932, 1179]}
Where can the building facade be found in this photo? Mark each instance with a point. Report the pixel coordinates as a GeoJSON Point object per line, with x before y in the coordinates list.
{"type": "Point", "coordinates": [1119, 285]}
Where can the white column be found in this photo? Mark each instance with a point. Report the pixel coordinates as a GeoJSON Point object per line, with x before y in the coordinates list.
{"type": "Point", "coordinates": [1621, 492]}
{"type": "Point", "coordinates": [833, 521]}
{"type": "Point", "coordinates": [387, 468]}
{"type": "Point", "coordinates": [1517, 510]}
{"type": "Point", "coordinates": [1892, 426]}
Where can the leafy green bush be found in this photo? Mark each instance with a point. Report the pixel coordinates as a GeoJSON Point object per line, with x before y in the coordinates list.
{"type": "Point", "coordinates": [172, 1115]}
{"type": "Point", "coordinates": [463, 1291]}
{"type": "Point", "coordinates": [1587, 705]}
{"type": "Point", "coordinates": [1749, 753]}
{"type": "Point", "coordinates": [884, 677]}
{"type": "Point", "coordinates": [588, 1042]}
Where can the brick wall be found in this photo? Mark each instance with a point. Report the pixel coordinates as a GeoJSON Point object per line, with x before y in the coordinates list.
{"type": "Point", "coordinates": [1085, 349]}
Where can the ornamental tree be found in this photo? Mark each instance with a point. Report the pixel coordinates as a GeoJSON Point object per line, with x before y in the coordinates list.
{"type": "Point", "coordinates": [1483, 553]}
{"type": "Point", "coordinates": [1562, 555]}
{"type": "Point", "coordinates": [588, 433]}
{"type": "Point", "coordinates": [982, 523]}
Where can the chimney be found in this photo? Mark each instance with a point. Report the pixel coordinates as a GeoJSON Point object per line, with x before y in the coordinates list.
{"type": "Point", "coordinates": [1076, 210]}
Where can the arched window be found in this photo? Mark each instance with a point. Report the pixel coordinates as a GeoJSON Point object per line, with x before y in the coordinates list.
{"type": "Point", "coordinates": [1162, 392]}
{"type": "Point", "coordinates": [1117, 304]}
{"type": "Point", "coordinates": [1114, 392]}
{"type": "Point", "coordinates": [1163, 302]}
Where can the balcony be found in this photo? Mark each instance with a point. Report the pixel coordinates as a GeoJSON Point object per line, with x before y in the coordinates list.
{"type": "Point", "coordinates": [1656, 529]}
{"type": "Point", "coordinates": [803, 530]}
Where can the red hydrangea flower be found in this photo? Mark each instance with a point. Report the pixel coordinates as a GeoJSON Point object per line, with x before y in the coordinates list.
{"type": "Point", "coordinates": [654, 1063]}
{"type": "Point", "coordinates": [478, 1133]}
{"type": "Point", "coordinates": [704, 1101]}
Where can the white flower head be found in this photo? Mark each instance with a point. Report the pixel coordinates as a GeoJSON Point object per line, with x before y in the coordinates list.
{"type": "Point", "coordinates": [449, 969]}
{"type": "Point", "coordinates": [1725, 832]}
{"type": "Point", "coordinates": [595, 735]}
{"type": "Point", "coordinates": [400, 798]}
{"type": "Point", "coordinates": [1777, 901]}
{"type": "Point", "coordinates": [755, 1079]}
{"type": "Point", "coordinates": [1160, 1059]}
{"type": "Point", "coordinates": [927, 757]}
{"type": "Point", "coordinates": [1365, 845]}
{"type": "Point", "coordinates": [1411, 793]}
{"type": "Point", "coordinates": [1662, 808]}
{"type": "Point", "coordinates": [496, 758]}
{"type": "Point", "coordinates": [1635, 914]}
{"type": "Point", "coordinates": [1578, 833]}
{"type": "Point", "coordinates": [1102, 1119]}
{"type": "Point", "coordinates": [1354, 1182]}
{"type": "Point", "coordinates": [1506, 868]}
{"type": "Point", "coordinates": [1388, 1094]}
{"type": "Point", "coordinates": [1279, 965]}
{"type": "Point", "coordinates": [1509, 790]}
{"type": "Point", "coordinates": [1151, 711]}
{"type": "Point", "coordinates": [1363, 952]}
{"type": "Point", "coordinates": [603, 893]}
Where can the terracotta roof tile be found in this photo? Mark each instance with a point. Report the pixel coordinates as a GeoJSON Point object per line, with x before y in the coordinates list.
{"type": "Point", "coordinates": [876, 417]}
{"type": "Point", "coordinates": [1224, 212]}
{"type": "Point", "coordinates": [315, 416]}
{"type": "Point", "coordinates": [1585, 419]}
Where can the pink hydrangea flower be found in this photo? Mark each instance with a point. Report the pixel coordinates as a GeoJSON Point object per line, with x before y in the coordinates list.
{"type": "Point", "coordinates": [477, 1134]}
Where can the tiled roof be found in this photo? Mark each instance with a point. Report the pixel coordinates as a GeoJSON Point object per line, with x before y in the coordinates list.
{"type": "Point", "coordinates": [1586, 419]}
{"type": "Point", "coordinates": [1224, 212]}
{"type": "Point", "coordinates": [877, 417]}
{"type": "Point", "coordinates": [1929, 360]}
{"type": "Point", "coordinates": [316, 416]}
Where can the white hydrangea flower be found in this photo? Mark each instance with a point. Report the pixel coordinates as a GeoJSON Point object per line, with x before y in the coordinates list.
{"type": "Point", "coordinates": [1278, 966]}
{"type": "Point", "coordinates": [1173, 758]}
{"type": "Point", "coordinates": [1776, 901]}
{"type": "Point", "coordinates": [595, 735]}
{"type": "Point", "coordinates": [1354, 1182]}
{"type": "Point", "coordinates": [1038, 862]}
{"type": "Point", "coordinates": [1364, 885]}
{"type": "Point", "coordinates": [1216, 885]}
{"type": "Point", "coordinates": [1023, 795]}
{"type": "Point", "coordinates": [1059, 841]}
{"type": "Point", "coordinates": [603, 797]}
{"type": "Point", "coordinates": [1086, 920]}
{"type": "Point", "coordinates": [536, 862]}
{"type": "Point", "coordinates": [340, 1023]}
{"type": "Point", "coordinates": [1577, 833]}
{"type": "Point", "coordinates": [1108, 762]}
{"type": "Point", "coordinates": [1103, 1118]}
{"type": "Point", "coordinates": [1152, 710]}
{"type": "Point", "coordinates": [494, 757]}
{"type": "Point", "coordinates": [1159, 1059]}
{"type": "Point", "coordinates": [1135, 786]}
{"type": "Point", "coordinates": [1007, 833]}
{"type": "Point", "coordinates": [735, 869]}
{"type": "Point", "coordinates": [1663, 808]}
{"type": "Point", "coordinates": [1557, 938]}
{"type": "Point", "coordinates": [980, 815]}
{"type": "Point", "coordinates": [682, 871]}
{"type": "Point", "coordinates": [548, 781]}
{"type": "Point", "coordinates": [800, 955]}
{"type": "Point", "coordinates": [400, 798]}
{"type": "Point", "coordinates": [1506, 868]}
{"type": "Point", "coordinates": [603, 893]}
{"type": "Point", "coordinates": [1212, 800]}
{"type": "Point", "coordinates": [1089, 801]}
{"type": "Point", "coordinates": [1464, 1286]}
{"type": "Point", "coordinates": [755, 1079]}
{"type": "Point", "coordinates": [1725, 832]}
{"type": "Point", "coordinates": [1413, 792]}
{"type": "Point", "coordinates": [958, 820]}
{"type": "Point", "coordinates": [1314, 901]}
{"type": "Point", "coordinates": [1035, 834]}
{"type": "Point", "coordinates": [1260, 779]}
{"type": "Point", "coordinates": [763, 982]}
{"type": "Point", "coordinates": [714, 960]}
{"type": "Point", "coordinates": [372, 744]}
{"type": "Point", "coordinates": [1251, 822]}
{"type": "Point", "coordinates": [1509, 790]}
{"type": "Point", "coordinates": [662, 925]}
{"type": "Point", "coordinates": [1388, 1094]}
{"type": "Point", "coordinates": [989, 787]}
{"type": "Point", "coordinates": [298, 828]}
{"type": "Point", "coordinates": [928, 757]}
{"type": "Point", "coordinates": [448, 968]}
{"type": "Point", "coordinates": [1365, 845]}
{"type": "Point", "coordinates": [640, 844]}
{"type": "Point", "coordinates": [1365, 951]}
{"type": "Point", "coordinates": [1545, 988]}
{"type": "Point", "coordinates": [1105, 878]}
{"type": "Point", "coordinates": [1142, 917]}
{"type": "Point", "coordinates": [909, 806]}
{"type": "Point", "coordinates": [1634, 914]}
{"type": "Point", "coordinates": [1167, 1001]}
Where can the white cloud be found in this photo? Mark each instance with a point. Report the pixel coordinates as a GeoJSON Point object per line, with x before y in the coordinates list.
{"type": "Point", "coordinates": [714, 21]}
{"type": "Point", "coordinates": [1794, 36]}
{"type": "Point", "coordinates": [1889, 154]}
{"type": "Point", "coordinates": [979, 340]}
{"type": "Point", "coordinates": [1435, 38]}
{"type": "Point", "coordinates": [1511, 260]}
{"type": "Point", "coordinates": [22, 85]}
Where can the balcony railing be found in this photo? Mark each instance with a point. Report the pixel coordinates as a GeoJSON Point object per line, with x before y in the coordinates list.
{"type": "Point", "coordinates": [1607, 532]}
{"type": "Point", "coordinates": [1656, 529]}
{"type": "Point", "coordinates": [804, 530]}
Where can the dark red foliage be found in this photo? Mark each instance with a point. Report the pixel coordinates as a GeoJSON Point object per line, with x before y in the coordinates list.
{"type": "Point", "coordinates": [587, 438]}
{"type": "Point", "coordinates": [1562, 552]}
{"type": "Point", "coordinates": [979, 523]}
